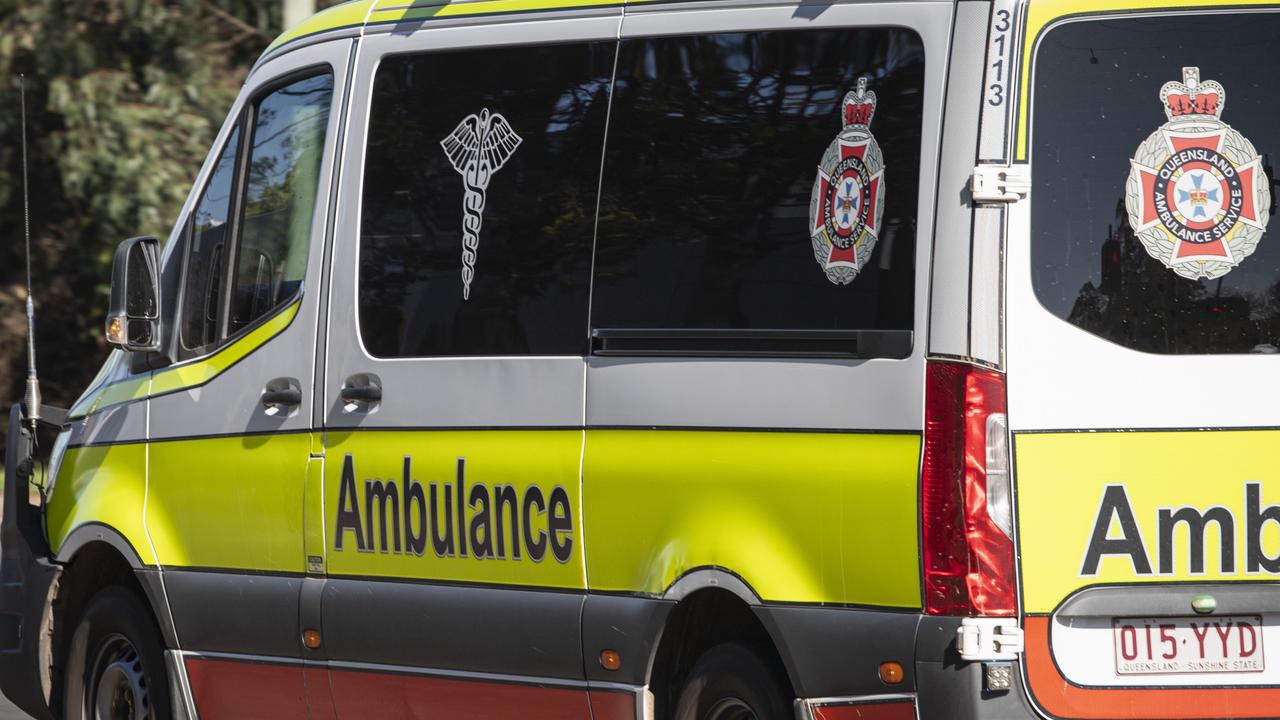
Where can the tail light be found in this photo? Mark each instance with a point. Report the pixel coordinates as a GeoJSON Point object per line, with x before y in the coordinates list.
{"type": "Point", "coordinates": [966, 497]}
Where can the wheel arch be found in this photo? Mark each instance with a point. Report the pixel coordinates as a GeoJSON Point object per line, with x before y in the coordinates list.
{"type": "Point", "coordinates": [712, 605]}
{"type": "Point", "coordinates": [95, 556]}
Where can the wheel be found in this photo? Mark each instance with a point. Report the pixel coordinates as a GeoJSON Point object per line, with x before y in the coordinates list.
{"type": "Point", "coordinates": [115, 668]}
{"type": "Point", "coordinates": [729, 682]}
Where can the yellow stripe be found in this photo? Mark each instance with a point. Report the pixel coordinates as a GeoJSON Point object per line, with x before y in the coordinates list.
{"type": "Point", "coordinates": [349, 14]}
{"type": "Point", "coordinates": [801, 517]}
{"type": "Point", "coordinates": [103, 485]}
{"type": "Point", "coordinates": [1061, 483]}
{"type": "Point", "coordinates": [1042, 13]}
{"type": "Point", "coordinates": [229, 502]}
{"type": "Point", "coordinates": [398, 10]}
{"type": "Point", "coordinates": [354, 14]}
{"type": "Point", "coordinates": [188, 375]}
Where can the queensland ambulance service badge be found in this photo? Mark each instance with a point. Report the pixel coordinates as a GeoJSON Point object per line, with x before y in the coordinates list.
{"type": "Point", "coordinates": [847, 204]}
{"type": "Point", "coordinates": [1197, 197]}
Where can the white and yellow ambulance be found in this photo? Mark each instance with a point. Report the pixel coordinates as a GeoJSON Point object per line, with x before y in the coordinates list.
{"type": "Point", "coordinates": [701, 360]}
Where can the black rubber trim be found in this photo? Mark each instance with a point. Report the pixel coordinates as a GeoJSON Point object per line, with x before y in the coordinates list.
{"type": "Point", "coordinates": [836, 652]}
{"type": "Point", "coordinates": [153, 587]}
{"type": "Point", "coordinates": [504, 428]}
{"type": "Point", "coordinates": [713, 343]}
{"type": "Point", "coordinates": [505, 631]}
{"type": "Point", "coordinates": [631, 626]}
{"type": "Point", "coordinates": [236, 611]}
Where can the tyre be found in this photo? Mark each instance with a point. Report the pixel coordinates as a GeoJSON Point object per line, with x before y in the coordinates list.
{"type": "Point", "coordinates": [115, 668]}
{"type": "Point", "coordinates": [730, 682]}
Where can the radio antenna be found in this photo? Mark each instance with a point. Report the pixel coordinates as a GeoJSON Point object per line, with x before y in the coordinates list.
{"type": "Point", "coordinates": [32, 398]}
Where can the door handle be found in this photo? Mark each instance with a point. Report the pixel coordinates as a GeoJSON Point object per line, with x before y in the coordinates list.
{"type": "Point", "coordinates": [281, 396]}
{"type": "Point", "coordinates": [361, 393]}
{"type": "Point", "coordinates": [287, 396]}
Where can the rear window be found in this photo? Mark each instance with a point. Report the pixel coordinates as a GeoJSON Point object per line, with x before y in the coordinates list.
{"type": "Point", "coordinates": [1151, 152]}
{"type": "Point", "coordinates": [759, 194]}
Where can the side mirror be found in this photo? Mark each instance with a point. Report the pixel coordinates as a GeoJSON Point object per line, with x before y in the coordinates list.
{"type": "Point", "coordinates": [133, 322]}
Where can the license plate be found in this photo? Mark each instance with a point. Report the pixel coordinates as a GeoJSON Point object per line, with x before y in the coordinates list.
{"type": "Point", "coordinates": [1174, 645]}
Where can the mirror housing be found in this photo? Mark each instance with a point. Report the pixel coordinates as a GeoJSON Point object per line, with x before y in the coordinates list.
{"type": "Point", "coordinates": [133, 322]}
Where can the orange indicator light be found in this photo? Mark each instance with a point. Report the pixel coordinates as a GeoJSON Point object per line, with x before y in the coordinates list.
{"type": "Point", "coordinates": [891, 673]}
{"type": "Point", "coordinates": [311, 638]}
{"type": "Point", "coordinates": [610, 660]}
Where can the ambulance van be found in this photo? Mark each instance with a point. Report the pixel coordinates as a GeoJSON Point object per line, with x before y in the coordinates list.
{"type": "Point", "coordinates": [702, 360]}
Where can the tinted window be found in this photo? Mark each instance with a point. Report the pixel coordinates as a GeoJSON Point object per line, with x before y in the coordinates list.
{"type": "Point", "coordinates": [280, 197]}
{"type": "Point", "coordinates": [712, 159]}
{"type": "Point", "coordinates": [202, 297]}
{"type": "Point", "coordinates": [479, 200]}
{"type": "Point", "coordinates": [1099, 119]}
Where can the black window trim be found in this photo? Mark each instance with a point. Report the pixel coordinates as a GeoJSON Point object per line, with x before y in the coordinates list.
{"type": "Point", "coordinates": [235, 212]}
{"type": "Point", "coordinates": [748, 342]}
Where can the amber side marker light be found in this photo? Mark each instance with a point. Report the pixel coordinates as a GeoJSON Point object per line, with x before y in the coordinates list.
{"type": "Point", "coordinates": [891, 673]}
{"type": "Point", "coordinates": [115, 331]}
{"type": "Point", "coordinates": [610, 660]}
{"type": "Point", "coordinates": [311, 638]}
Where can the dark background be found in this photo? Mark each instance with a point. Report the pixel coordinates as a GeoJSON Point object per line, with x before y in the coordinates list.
{"type": "Point", "coordinates": [124, 98]}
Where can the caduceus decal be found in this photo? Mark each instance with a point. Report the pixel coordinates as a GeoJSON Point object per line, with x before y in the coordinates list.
{"type": "Point", "coordinates": [478, 148]}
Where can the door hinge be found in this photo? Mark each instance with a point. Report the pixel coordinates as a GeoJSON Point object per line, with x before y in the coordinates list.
{"type": "Point", "coordinates": [1000, 183]}
{"type": "Point", "coordinates": [986, 638]}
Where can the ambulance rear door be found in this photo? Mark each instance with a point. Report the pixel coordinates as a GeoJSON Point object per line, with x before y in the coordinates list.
{"type": "Point", "coordinates": [1143, 325]}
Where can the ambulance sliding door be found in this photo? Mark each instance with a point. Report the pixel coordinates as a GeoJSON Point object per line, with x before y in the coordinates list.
{"type": "Point", "coordinates": [1143, 331]}
{"type": "Point", "coordinates": [454, 386]}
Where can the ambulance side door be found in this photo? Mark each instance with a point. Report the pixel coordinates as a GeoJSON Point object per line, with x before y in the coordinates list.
{"type": "Point", "coordinates": [231, 418]}
{"type": "Point", "coordinates": [453, 390]}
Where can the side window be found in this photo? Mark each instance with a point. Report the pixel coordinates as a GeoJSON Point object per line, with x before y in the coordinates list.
{"type": "Point", "coordinates": [479, 198]}
{"type": "Point", "coordinates": [761, 188]}
{"type": "Point", "coordinates": [252, 226]}
{"type": "Point", "coordinates": [280, 199]}
{"type": "Point", "coordinates": [202, 308]}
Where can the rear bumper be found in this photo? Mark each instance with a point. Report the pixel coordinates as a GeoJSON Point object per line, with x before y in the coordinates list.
{"type": "Point", "coordinates": [27, 582]}
{"type": "Point", "coordinates": [950, 689]}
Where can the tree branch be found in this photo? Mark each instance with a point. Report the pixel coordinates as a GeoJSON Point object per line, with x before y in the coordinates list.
{"type": "Point", "coordinates": [244, 27]}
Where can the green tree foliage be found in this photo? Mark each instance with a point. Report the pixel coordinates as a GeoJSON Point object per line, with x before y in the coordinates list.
{"type": "Point", "coordinates": [124, 98]}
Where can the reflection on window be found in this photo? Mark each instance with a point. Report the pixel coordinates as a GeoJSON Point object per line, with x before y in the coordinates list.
{"type": "Point", "coordinates": [712, 151]}
{"type": "Point", "coordinates": [280, 198]}
{"type": "Point", "coordinates": [1097, 86]}
{"type": "Point", "coordinates": [202, 304]}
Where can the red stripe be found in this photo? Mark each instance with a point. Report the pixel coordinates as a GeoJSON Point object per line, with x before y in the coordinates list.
{"type": "Point", "coordinates": [383, 696]}
{"type": "Point", "coordinates": [1064, 700]}
{"type": "Point", "coordinates": [613, 705]}
{"type": "Point", "coordinates": [867, 711]}
{"type": "Point", "coordinates": [245, 690]}
{"type": "Point", "coordinates": [241, 690]}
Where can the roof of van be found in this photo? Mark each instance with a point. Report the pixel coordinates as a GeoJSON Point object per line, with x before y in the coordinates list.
{"type": "Point", "coordinates": [356, 13]}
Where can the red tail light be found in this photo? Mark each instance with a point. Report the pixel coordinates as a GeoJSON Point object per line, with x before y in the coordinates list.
{"type": "Point", "coordinates": [968, 558]}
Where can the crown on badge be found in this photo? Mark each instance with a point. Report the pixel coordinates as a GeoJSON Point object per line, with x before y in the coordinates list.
{"type": "Point", "coordinates": [859, 105]}
{"type": "Point", "coordinates": [1193, 98]}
